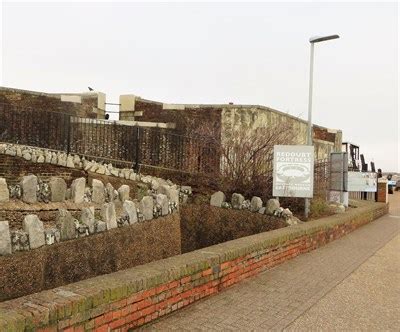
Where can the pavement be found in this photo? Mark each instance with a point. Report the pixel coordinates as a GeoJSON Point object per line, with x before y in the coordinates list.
{"type": "Point", "coordinates": [350, 284]}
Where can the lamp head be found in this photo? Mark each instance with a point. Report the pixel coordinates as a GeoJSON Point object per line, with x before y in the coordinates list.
{"type": "Point", "coordinates": [318, 39]}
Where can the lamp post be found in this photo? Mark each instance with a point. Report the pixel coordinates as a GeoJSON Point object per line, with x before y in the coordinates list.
{"type": "Point", "coordinates": [313, 40]}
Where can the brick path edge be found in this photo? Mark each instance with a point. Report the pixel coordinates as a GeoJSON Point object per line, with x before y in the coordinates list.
{"type": "Point", "coordinates": [130, 298]}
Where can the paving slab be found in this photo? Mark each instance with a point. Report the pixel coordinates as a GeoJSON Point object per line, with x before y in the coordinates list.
{"type": "Point", "coordinates": [335, 287]}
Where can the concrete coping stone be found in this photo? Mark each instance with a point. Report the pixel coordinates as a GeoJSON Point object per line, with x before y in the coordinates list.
{"type": "Point", "coordinates": [104, 289]}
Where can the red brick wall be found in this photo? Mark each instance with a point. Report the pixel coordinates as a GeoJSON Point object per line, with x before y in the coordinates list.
{"type": "Point", "coordinates": [14, 168]}
{"type": "Point", "coordinates": [188, 121]}
{"type": "Point", "coordinates": [23, 99]}
{"type": "Point", "coordinates": [133, 297]}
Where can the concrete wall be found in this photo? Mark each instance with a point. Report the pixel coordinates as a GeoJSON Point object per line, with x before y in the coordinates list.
{"type": "Point", "coordinates": [88, 104]}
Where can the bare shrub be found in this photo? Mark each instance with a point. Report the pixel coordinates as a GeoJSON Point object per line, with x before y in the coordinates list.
{"type": "Point", "coordinates": [246, 157]}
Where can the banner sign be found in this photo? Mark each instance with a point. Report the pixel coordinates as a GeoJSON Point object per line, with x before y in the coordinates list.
{"type": "Point", "coordinates": [362, 181]}
{"type": "Point", "coordinates": [293, 171]}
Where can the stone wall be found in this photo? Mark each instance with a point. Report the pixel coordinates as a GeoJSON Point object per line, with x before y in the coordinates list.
{"type": "Point", "coordinates": [77, 259]}
{"type": "Point", "coordinates": [89, 104]}
{"type": "Point", "coordinates": [133, 297]}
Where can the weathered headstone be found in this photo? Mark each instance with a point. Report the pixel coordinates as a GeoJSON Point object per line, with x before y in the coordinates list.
{"type": "Point", "coordinates": [130, 210]}
{"type": "Point", "coordinates": [109, 216]}
{"type": "Point", "coordinates": [98, 192]}
{"type": "Point", "coordinates": [237, 200]}
{"type": "Point", "coordinates": [58, 188]}
{"type": "Point", "coordinates": [146, 206]}
{"type": "Point", "coordinates": [272, 205]}
{"type": "Point", "coordinates": [163, 201]}
{"type": "Point", "coordinates": [5, 238]}
{"type": "Point", "coordinates": [217, 199]}
{"type": "Point", "coordinates": [171, 192]}
{"type": "Point", "coordinates": [87, 218]}
{"type": "Point", "coordinates": [78, 190]}
{"type": "Point", "coordinates": [66, 225]}
{"type": "Point", "coordinates": [29, 188]}
{"type": "Point", "coordinates": [4, 192]}
{"type": "Point", "coordinates": [110, 192]}
{"type": "Point", "coordinates": [255, 204]}
{"type": "Point", "coordinates": [123, 193]}
{"type": "Point", "coordinates": [101, 226]}
{"type": "Point", "coordinates": [34, 227]}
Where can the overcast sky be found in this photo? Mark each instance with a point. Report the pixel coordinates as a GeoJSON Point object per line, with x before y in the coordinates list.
{"type": "Point", "coordinates": [246, 53]}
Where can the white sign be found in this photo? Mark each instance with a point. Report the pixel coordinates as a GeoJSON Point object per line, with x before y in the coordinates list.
{"type": "Point", "coordinates": [293, 171]}
{"type": "Point", "coordinates": [362, 181]}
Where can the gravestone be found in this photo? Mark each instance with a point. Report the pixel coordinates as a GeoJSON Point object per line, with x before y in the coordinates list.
{"type": "Point", "coordinates": [237, 200]}
{"type": "Point", "coordinates": [4, 192]}
{"type": "Point", "coordinates": [34, 227]}
{"type": "Point", "coordinates": [66, 225]}
{"type": "Point", "coordinates": [163, 201]}
{"type": "Point", "coordinates": [98, 192]}
{"type": "Point", "coordinates": [123, 193]}
{"type": "Point", "coordinates": [87, 218]}
{"type": "Point", "coordinates": [78, 190]}
{"type": "Point", "coordinates": [130, 210]}
{"type": "Point", "coordinates": [109, 216]}
{"type": "Point", "coordinates": [58, 188]}
{"type": "Point", "coordinates": [5, 238]}
{"type": "Point", "coordinates": [146, 206]}
{"type": "Point", "coordinates": [29, 188]}
{"type": "Point", "coordinates": [217, 199]}
{"type": "Point", "coordinates": [255, 204]}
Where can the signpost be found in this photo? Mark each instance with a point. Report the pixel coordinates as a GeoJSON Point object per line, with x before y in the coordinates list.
{"type": "Point", "coordinates": [293, 174]}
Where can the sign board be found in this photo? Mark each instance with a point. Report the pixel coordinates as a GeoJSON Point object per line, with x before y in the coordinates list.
{"type": "Point", "coordinates": [362, 181]}
{"type": "Point", "coordinates": [293, 171]}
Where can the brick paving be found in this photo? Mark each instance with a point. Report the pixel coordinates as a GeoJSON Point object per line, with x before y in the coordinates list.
{"type": "Point", "coordinates": [276, 299]}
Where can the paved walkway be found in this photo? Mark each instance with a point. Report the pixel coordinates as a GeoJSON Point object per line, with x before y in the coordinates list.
{"type": "Point", "coordinates": [351, 283]}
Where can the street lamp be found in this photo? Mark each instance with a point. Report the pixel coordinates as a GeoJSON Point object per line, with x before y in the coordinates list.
{"type": "Point", "coordinates": [313, 40]}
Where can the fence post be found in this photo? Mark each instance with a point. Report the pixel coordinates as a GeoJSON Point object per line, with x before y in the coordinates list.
{"type": "Point", "coordinates": [137, 148]}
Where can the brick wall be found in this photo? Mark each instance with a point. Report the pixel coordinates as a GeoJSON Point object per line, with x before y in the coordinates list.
{"type": "Point", "coordinates": [14, 168]}
{"type": "Point", "coordinates": [131, 298]}
{"type": "Point", "coordinates": [23, 99]}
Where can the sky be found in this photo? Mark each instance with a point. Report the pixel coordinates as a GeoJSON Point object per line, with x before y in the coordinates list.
{"type": "Point", "coordinates": [245, 53]}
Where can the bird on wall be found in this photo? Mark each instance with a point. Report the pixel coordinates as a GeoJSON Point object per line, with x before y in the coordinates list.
{"type": "Point", "coordinates": [90, 89]}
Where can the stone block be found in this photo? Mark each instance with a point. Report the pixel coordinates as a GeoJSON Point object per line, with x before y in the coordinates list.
{"type": "Point", "coordinates": [237, 201]}
{"type": "Point", "coordinates": [130, 210]}
{"type": "Point", "coordinates": [4, 192]}
{"type": "Point", "coordinates": [5, 238]}
{"type": "Point", "coordinates": [98, 192]}
{"type": "Point", "coordinates": [110, 193]}
{"type": "Point", "coordinates": [255, 204]}
{"type": "Point", "coordinates": [171, 192]}
{"type": "Point", "coordinates": [101, 226]}
{"type": "Point", "coordinates": [78, 190]}
{"type": "Point", "coordinates": [163, 201]}
{"type": "Point", "coordinates": [52, 235]}
{"type": "Point", "coordinates": [123, 193]}
{"type": "Point", "coordinates": [272, 205]}
{"type": "Point", "coordinates": [146, 207]}
{"type": "Point", "coordinates": [217, 199]}
{"type": "Point", "coordinates": [66, 225]}
{"type": "Point", "coordinates": [109, 216]}
{"type": "Point", "coordinates": [87, 218]}
{"type": "Point", "coordinates": [34, 227]}
{"type": "Point", "coordinates": [58, 189]}
{"type": "Point", "coordinates": [29, 188]}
